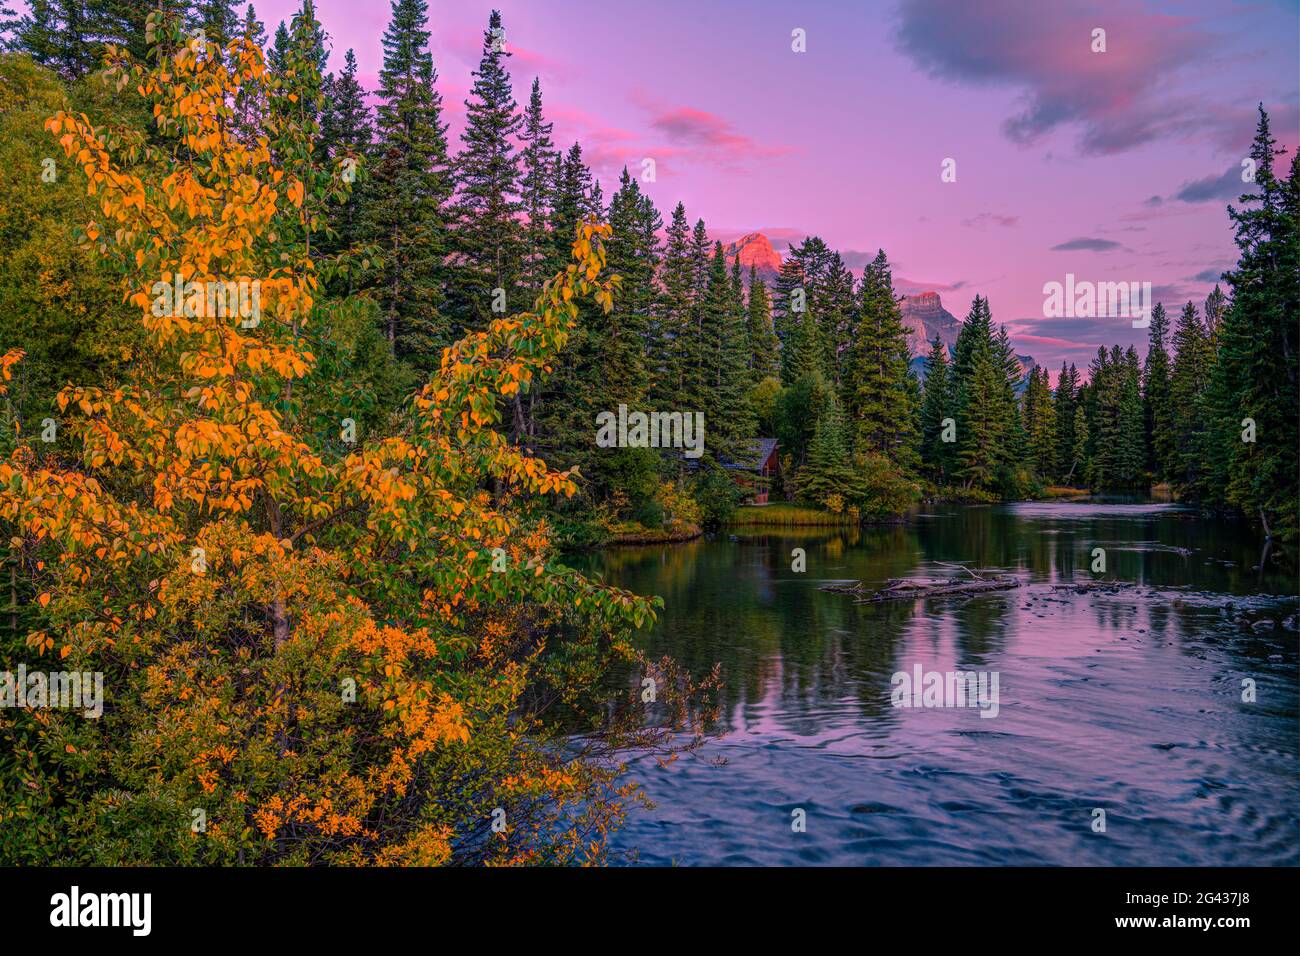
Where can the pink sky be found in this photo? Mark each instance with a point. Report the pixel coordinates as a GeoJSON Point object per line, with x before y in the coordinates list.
{"type": "Point", "coordinates": [1126, 157]}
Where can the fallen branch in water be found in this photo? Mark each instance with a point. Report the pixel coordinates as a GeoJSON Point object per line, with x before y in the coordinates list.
{"type": "Point", "coordinates": [900, 589]}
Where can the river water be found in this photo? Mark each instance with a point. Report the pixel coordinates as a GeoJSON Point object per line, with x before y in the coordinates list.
{"type": "Point", "coordinates": [1127, 701]}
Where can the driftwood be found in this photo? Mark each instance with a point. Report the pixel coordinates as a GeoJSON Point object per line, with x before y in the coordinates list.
{"type": "Point", "coordinates": [902, 589]}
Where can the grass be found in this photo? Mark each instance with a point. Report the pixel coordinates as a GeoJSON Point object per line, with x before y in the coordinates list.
{"type": "Point", "coordinates": [1061, 491]}
{"type": "Point", "coordinates": [785, 515]}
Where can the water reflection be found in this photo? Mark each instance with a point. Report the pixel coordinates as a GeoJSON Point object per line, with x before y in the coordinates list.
{"type": "Point", "coordinates": [1127, 699]}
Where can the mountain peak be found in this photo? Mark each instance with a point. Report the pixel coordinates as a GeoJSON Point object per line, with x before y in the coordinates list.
{"type": "Point", "coordinates": [755, 249]}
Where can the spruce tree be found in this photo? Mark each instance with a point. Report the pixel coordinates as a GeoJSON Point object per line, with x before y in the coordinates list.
{"type": "Point", "coordinates": [219, 21]}
{"type": "Point", "coordinates": [345, 142]}
{"type": "Point", "coordinates": [881, 393]}
{"type": "Point", "coordinates": [728, 418]}
{"type": "Point", "coordinates": [937, 405]}
{"type": "Point", "coordinates": [1256, 385]}
{"type": "Point", "coordinates": [489, 236]}
{"type": "Point", "coordinates": [250, 101]}
{"type": "Point", "coordinates": [571, 203]}
{"type": "Point", "coordinates": [405, 205]}
{"type": "Point", "coordinates": [673, 325]}
{"type": "Point", "coordinates": [1039, 414]}
{"type": "Point", "coordinates": [1066, 403]}
{"type": "Point", "coordinates": [764, 357]}
{"type": "Point", "coordinates": [828, 473]}
{"type": "Point", "coordinates": [1130, 456]}
{"type": "Point", "coordinates": [1157, 414]}
{"type": "Point", "coordinates": [1189, 385]}
{"type": "Point", "coordinates": [537, 188]}
{"type": "Point", "coordinates": [989, 434]}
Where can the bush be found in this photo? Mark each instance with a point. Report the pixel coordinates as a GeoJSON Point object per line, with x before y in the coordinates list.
{"type": "Point", "coordinates": [717, 496]}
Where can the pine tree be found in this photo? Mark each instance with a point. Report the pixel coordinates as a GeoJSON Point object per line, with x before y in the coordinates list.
{"type": "Point", "coordinates": [1189, 385]}
{"type": "Point", "coordinates": [1130, 456]}
{"type": "Point", "coordinates": [37, 34]}
{"type": "Point", "coordinates": [989, 435]}
{"type": "Point", "coordinates": [410, 185]}
{"type": "Point", "coordinates": [789, 302]}
{"type": "Point", "coordinates": [1216, 307]}
{"type": "Point", "coordinates": [623, 366]}
{"type": "Point", "coordinates": [728, 418]}
{"type": "Point", "coordinates": [1066, 403]}
{"type": "Point", "coordinates": [571, 203]}
{"type": "Point", "coordinates": [345, 145]}
{"type": "Point", "coordinates": [937, 406]}
{"type": "Point", "coordinates": [1157, 415]}
{"type": "Point", "coordinates": [1079, 449]}
{"type": "Point", "coordinates": [674, 312]}
{"type": "Point", "coordinates": [537, 187]}
{"type": "Point", "coordinates": [275, 53]}
{"type": "Point", "coordinates": [1040, 425]}
{"type": "Point", "coordinates": [829, 474]}
{"type": "Point", "coordinates": [838, 319]}
{"type": "Point", "coordinates": [219, 20]}
{"type": "Point", "coordinates": [250, 101]}
{"type": "Point", "coordinates": [1255, 379]}
{"type": "Point", "coordinates": [881, 393]}
{"type": "Point", "coordinates": [489, 236]}
{"type": "Point", "coordinates": [764, 357]}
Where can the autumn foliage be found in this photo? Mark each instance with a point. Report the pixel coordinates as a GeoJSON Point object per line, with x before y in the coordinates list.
{"type": "Point", "coordinates": [340, 653]}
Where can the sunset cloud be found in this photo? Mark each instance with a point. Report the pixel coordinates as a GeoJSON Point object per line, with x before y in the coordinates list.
{"type": "Point", "coordinates": [1086, 245]}
{"type": "Point", "coordinates": [1043, 50]}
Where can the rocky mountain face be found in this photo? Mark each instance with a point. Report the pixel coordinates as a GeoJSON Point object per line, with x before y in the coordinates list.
{"type": "Point", "coordinates": [755, 250]}
{"type": "Point", "coordinates": [924, 317]}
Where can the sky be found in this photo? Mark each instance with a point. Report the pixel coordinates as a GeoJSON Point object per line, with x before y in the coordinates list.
{"type": "Point", "coordinates": [1112, 166]}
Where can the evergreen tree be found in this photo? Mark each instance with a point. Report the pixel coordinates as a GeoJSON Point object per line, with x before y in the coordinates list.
{"type": "Point", "coordinates": [1255, 379]}
{"type": "Point", "coordinates": [728, 416]}
{"type": "Point", "coordinates": [1130, 456]}
{"type": "Point", "coordinates": [250, 101]}
{"type": "Point", "coordinates": [278, 54]}
{"type": "Point", "coordinates": [571, 203]}
{"type": "Point", "coordinates": [938, 404]}
{"type": "Point", "coordinates": [789, 301]}
{"type": "Point", "coordinates": [345, 143]}
{"type": "Point", "coordinates": [37, 34]}
{"type": "Point", "coordinates": [882, 400]}
{"type": "Point", "coordinates": [674, 312]}
{"type": "Point", "coordinates": [1157, 414]}
{"type": "Point", "coordinates": [622, 365]}
{"type": "Point", "coordinates": [764, 357]}
{"type": "Point", "coordinates": [406, 199]}
{"type": "Point", "coordinates": [1066, 403]}
{"type": "Point", "coordinates": [838, 320]}
{"type": "Point", "coordinates": [537, 187]}
{"type": "Point", "coordinates": [978, 383]}
{"type": "Point", "coordinates": [829, 474]}
{"type": "Point", "coordinates": [1216, 307]}
{"type": "Point", "coordinates": [1078, 452]}
{"type": "Point", "coordinates": [489, 236]}
{"type": "Point", "coordinates": [1189, 400]}
{"type": "Point", "coordinates": [219, 21]}
{"type": "Point", "coordinates": [1040, 425]}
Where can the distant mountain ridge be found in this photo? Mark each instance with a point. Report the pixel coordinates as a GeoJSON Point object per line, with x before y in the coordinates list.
{"type": "Point", "coordinates": [924, 316]}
